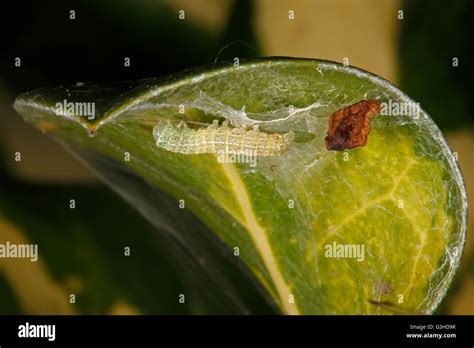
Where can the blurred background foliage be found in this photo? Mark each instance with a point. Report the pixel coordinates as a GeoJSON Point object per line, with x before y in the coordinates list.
{"type": "Point", "coordinates": [410, 43]}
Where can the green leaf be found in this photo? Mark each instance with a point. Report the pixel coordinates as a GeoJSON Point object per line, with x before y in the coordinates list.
{"type": "Point", "coordinates": [401, 197]}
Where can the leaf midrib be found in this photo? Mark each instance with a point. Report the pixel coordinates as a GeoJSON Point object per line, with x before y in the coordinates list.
{"type": "Point", "coordinates": [259, 238]}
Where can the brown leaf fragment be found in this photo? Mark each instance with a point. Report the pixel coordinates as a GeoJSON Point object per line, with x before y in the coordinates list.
{"type": "Point", "coordinates": [350, 126]}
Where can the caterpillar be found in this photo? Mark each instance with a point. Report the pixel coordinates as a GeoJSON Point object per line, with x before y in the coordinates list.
{"type": "Point", "coordinates": [220, 139]}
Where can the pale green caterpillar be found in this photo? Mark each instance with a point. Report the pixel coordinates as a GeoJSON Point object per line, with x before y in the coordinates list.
{"type": "Point", "coordinates": [220, 139]}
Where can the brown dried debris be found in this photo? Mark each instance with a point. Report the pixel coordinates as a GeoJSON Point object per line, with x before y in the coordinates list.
{"type": "Point", "coordinates": [350, 126]}
{"type": "Point", "coordinates": [383, 288]}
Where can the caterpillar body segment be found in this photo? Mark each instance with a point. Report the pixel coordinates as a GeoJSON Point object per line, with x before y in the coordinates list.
{"type": "Point", "coordinates": [219, 139]}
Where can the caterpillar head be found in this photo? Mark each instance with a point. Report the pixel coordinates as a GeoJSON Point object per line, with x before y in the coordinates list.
{"type": "Point", "coordinates": [160, 128]}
